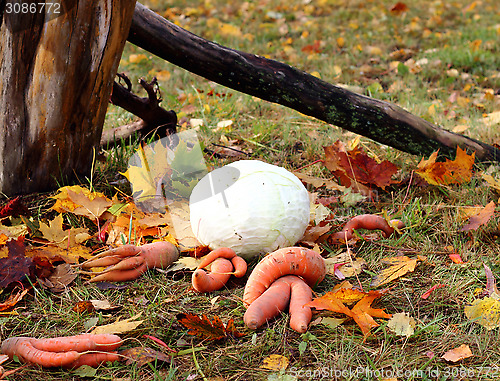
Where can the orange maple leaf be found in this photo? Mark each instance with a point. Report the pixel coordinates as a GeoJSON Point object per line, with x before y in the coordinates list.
{"type": "Point", "coordinates": [362, 313]}
{"type": "Point", "coordinates": [355, 166]}
{"type": "Point", "coordinates": [480, 218]}
{"type": "Point", "coordinates": [456, 171]}
{"type": "Point", "coordinates": [208, 329]}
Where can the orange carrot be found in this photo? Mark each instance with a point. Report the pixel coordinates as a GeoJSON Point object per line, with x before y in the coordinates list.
{"type": "Point", "coordinates": [300, 314]}
{"type": "Point", "coordinates": [288, 290]}
{"type": "Point", "coordinates": [221, 270]}
{"type": "Point", "coordinates": [369, 222]}
{"type": "Point", "coordinates": [63, 351]}
{"type": "Point", "coordinates": [240, 265]}
{"type": "Point", "coordinates": [119, 276]}
{"type": "Point", "coordinates": [299, 261]}
{"type": "Point", "coordinates": [93, 359]}
{"type": "Point", "coordinates": [129, 262]}
{"type": "Point", "coordinates": [79, 343]}
{"type": "Point", "coordinates": [268, 305]}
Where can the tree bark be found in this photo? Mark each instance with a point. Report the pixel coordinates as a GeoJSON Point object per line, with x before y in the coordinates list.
{"type": "Point", "coordinates": [57, 68]}
{"type": "Point", "coordinates": [280, 83]}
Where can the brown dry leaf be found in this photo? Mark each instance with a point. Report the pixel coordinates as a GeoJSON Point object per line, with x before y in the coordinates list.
{"type": "Point", "coordinates": [83, 306]}
{"type": "Point", "coordinates": [457, 354]}
{"type": "Point", "coordinates": [313, 233]}
{"type": "Point", "coordinates": [456, 171]}
{"type": "Point", "coordinates": [16, 267]}
{"type": "Point", "coordinates": [481, 218]}
{"type": "Point", "coordinates": [60, 279]}
{"type": "Point", "coordinates": [120, 326]}
{"type": "Point", "coordinates": [318, 182]}
{"type": "Point", "coordinates": [399, 8]}
{"type": "Point", "coordinates": [143, 356]}
{"type": "Point", "coordinates": [13, 299]}
{"type": "Point", "coordinates": [207, 329]}
{"type": "Point", "coordinates": [355, 166]}
{"type": "Point", "coordinates": [53, 232]}
{"type": "Point", "coordinates": [81, 201]}
{"type": "Point", "coordinates": [399, 267]}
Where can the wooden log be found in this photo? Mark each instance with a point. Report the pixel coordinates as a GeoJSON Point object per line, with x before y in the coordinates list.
{"type": "Point", "coordinates": [57, 67]}
{"type": "Point", "coordinates": [277, 82]}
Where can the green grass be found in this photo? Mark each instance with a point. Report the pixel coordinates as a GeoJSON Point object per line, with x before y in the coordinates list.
{"type": "Point", "coordinates": [447, 36]}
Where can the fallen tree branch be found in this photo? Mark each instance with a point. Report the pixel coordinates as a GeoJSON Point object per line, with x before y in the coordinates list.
{"type": "Point", "coordinates": [154, 118]}
{"type": "Point", "coordinates": [283, 84]}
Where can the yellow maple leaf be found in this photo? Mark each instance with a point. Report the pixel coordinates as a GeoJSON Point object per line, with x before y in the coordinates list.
{"type": "Point", "coordinates": [119, 326]}
{"type": "Point", "coordinates": [53, 232]}
{"type": "Point", "coordinates": [485, 312]}
{"type": "Point", "coordinates": [399, 267]}
{"type": "Point", "coordinates": [456, 171]}
{"type": "Point", "coordinates": [78, 200]}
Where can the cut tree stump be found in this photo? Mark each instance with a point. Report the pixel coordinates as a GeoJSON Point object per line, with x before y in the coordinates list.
{"type": "Point", "coordinates": [57, 69]}
{"type": "Point", "coordinates": [277, 82]}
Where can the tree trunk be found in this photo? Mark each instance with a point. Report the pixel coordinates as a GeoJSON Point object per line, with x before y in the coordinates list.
{"type": "Point", "coordinates": [280, 83]}
{"type": "Point", "coordinates": [57, 67]}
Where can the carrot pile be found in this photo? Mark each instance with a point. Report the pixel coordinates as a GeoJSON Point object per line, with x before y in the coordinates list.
{"type": "Point", "coordinates": [68, 351]}
{"type": "Point", "coordinates": [283, 278]}
{"type": "Point", "coordinates": [129, 262]}
{"type": "Point", "coordinates": [224, 263]}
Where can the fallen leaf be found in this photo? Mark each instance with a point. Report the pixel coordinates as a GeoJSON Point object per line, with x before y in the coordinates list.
{"type": "Point", "coordinates": [54, 232]}
{"type": "Point", "coordinates": [492, 119]}
{"type": "Point", "coordinates": [332, 322]}
{"type": "Point", "coordinates": [399, 8]}
{"type": "Point", "coordinates": [456, 171]}
{"type": "Point", "coordinates": [103, 305]}
{"type": "Point", "coordinates": [481, 218]}
{"type": "Point", "coordinates": [207, 329]}
{"type": "Point", "coordinates": [275, 362]}
{"type": "Point", "coordinates": [143, 355]}
{"type": "Point", "coordinates": [56, 253]}
{"type": "Point", "coordinates": [318, 182]}
{"type": "Point", "coordinates": [457, 354]}
{"type": "Point", "coordinates": [165, 170]}
{"type": "Point", "coordinates": [362, 312]}
{"type": "Point", "coordinates": [16, 267]}
{"type": "Point", "coordinates": [14, 208]}
{"type": "Point", "coordinates": [120, 326]}
{"type": "Point", "coordinates": [428, 293]}
{"type": "Point", "coordinates": [399, 267]}
{"type": "Point", "coordinates": [485, 312]}
{"type": "Point", "coordinates": [456, 258]}
{"type": "Point", "coordinates": [492, 182]}
{"type": "Point", "coordinates": [355, 166]}
{"type": "Point", "coordinates": [85, 371]}
{"type": "Point", "coordinates": [402, 324]}
{"type": "Point", "coordinates": [12, 300]}
{"type": "Point", "coordinates": [491, 284]}
{"type": "Point", "coordinates": [83, 306]}
{"type": "Point", "coordinates": [60, 279]}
